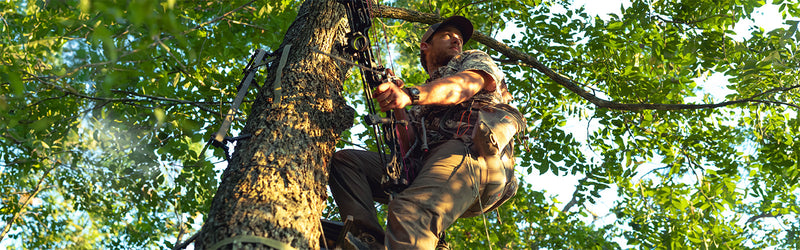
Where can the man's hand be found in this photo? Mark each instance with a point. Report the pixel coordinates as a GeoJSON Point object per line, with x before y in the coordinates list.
{"type": "Point", "coordinates": [390, 97]}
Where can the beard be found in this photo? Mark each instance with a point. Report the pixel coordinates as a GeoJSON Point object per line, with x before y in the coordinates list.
{"type": "Point", "coordinates": [443, 57]}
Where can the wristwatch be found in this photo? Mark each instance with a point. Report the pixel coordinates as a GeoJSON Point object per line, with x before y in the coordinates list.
{"type": "Point", "coordinates": [413, 92]}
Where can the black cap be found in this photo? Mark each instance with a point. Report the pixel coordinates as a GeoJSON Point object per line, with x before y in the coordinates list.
{"type": "Point", "coordinates": [459, 22]}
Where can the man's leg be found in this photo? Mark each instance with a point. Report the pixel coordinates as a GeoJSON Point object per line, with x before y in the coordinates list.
{"type": "Point", "coordinates": [355, 181]}
{"type": "Point", "coordinates": [443, 190]}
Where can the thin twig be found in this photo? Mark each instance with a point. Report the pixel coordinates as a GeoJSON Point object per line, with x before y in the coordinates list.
{"type": "Point", "coordinates": [246, 24]}
{"type": "Point", "coordinates": [131, 101]}
{"type": "Point", "coordinates": [162, 39]}
{"type": "Point", "coordinates": [169, 51]}
{"type": "Point", "coordinates": [653, 170]}
{"type": "Point", "coordinates": [198, 104]}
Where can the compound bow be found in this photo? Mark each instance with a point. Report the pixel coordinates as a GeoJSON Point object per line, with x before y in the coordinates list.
{"type": "Point", "coordinates": [358, 43]}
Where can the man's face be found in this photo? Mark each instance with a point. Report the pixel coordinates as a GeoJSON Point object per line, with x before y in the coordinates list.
{"type": "Point", "coordinates": [443, 46]}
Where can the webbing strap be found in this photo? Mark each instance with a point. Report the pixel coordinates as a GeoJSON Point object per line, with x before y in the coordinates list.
{"type": "Point", "coordinates": [251, 239]}
{"type": "Point", "coordinates": [244, 86]}
{"type": "Point", "coordinates": [277, 89]}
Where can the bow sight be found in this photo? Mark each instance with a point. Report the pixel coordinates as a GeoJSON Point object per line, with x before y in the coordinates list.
{"type": "Point", "coordinates": [358, 43]}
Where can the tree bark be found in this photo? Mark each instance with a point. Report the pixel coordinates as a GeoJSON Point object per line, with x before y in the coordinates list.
{"type": "Point", "coordinates": [275, 184]}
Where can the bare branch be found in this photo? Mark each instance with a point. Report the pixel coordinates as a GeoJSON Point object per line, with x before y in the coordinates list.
{"type": "Point", "coordinates": [564, 81]}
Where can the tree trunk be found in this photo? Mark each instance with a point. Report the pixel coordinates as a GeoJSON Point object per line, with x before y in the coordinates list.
{"type": "Point", "coordinates": [275, 184]}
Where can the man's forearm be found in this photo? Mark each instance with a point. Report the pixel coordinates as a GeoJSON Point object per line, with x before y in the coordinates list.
{"type": "Point", "coordinates": [453, 89]}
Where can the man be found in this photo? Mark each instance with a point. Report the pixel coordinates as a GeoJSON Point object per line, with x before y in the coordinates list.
{"type": "Point", "coordinates": [451, 180]}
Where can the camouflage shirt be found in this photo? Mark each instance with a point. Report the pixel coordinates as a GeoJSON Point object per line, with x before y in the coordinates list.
{"type": "Point", "coordinates": [444, 122]}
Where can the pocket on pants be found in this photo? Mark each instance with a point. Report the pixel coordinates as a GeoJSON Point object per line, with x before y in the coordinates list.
{"type": "Point", "coordinates": [492, 186]}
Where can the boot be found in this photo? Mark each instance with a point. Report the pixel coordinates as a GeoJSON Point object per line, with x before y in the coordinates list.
{"type": "Point", "coordinates": [364, 241]}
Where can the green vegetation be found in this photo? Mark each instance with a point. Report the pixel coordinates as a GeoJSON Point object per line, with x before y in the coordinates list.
{"type": "Point", "coordinates": [106, 107]}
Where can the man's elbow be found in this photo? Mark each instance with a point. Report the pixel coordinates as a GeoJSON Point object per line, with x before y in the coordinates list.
{"type": "Point", "coordinates": [481, 80]}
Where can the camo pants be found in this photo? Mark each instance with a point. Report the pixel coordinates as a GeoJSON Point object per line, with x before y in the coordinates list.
{"type": "Point", "coordinates": [445, 189]}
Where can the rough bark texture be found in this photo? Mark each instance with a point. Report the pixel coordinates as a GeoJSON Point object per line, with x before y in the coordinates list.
{"type": "Point", "coordinates": [274, 186]}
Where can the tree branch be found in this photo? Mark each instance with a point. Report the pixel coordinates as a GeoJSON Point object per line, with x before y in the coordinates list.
{"type": "Point", "coordinates": [687, 22]}
{"type": "Point", "coordinates": [569, 84]}
{"type": "Point", "coordinates": [159, 40]}
{"type": "Point", "coordinates": [246, 24]}
{"type": "Point", "coordinates": [197, 104]}
{"type": "Point", "coordinates": [654, 170]}
{"type": "Point", "coordinates": [574, 199]}
{"type": "Point", "coordinates": [751, 219]}
{"type": "Point", "coordinates": [187, 242]}
{"type": "Point", "coordinates": [220, 17]}
{"type": "Point", "coordinates": [27, 201]}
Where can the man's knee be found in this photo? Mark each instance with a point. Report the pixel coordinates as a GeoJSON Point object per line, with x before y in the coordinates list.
{"type": "Point", "coordinates": [401, 207]}
{"type": "Point", "coordinates": [343, 159]}
{"type": "Point", "coordinates": [410, 226]}
{"type": "Point", "coordinates": [409, 212]}
{"type": "Point", "coordinates": [352, 165]}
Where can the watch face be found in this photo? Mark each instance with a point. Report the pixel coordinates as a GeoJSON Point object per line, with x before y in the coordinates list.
{"type": "Point", "coordinates": [414, 91]}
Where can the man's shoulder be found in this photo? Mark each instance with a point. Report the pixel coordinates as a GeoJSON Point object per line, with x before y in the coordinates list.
{"type": "Point", "coordinates": [479, 60]}
{"type": "Point", "coordinates": [476, 56]}
{"type": "Point", "coordinates": [469, 60]}
{"type": "Point", "coordinates": [474, 53]}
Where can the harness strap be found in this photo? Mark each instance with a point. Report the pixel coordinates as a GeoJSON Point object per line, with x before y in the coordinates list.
{"type": "Point", "coordinates": [277, 89]}
{"type": "Point", "coordinates": [238, 240]}
{"type": "Point", "coordinates": [255, 61]}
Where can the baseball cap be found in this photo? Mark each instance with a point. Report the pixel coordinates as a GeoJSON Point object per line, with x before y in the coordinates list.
{"type": "Point", "coordinates": [459, 22]}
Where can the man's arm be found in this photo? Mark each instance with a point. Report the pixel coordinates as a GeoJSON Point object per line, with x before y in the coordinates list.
{"type": "Point", "coordinates": [443, 91]}
{"type": "Point", "coordinates": [456, 88]}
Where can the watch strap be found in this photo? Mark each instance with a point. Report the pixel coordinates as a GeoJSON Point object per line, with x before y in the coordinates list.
{"type": "Point", "coordinates": [412, 93]}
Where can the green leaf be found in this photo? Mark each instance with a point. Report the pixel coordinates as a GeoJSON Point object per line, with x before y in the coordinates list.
{"type": "Point", "coordinates": [13, 78]}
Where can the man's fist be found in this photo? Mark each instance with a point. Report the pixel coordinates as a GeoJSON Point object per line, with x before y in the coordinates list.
{"type": "Point", "coordinates": [390, 97]}
{"type": "Point", "coordinates": [396, 80]}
